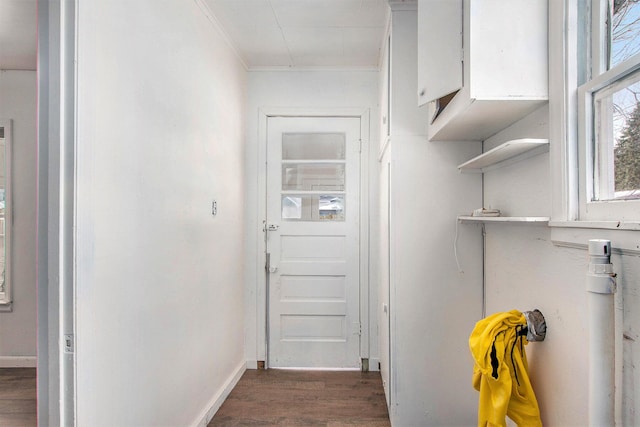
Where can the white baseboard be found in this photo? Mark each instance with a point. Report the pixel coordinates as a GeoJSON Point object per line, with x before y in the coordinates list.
{"type": "Point", "coordinates": [18, 361]}
{"type": "Point", "coordinates": [216, 401]}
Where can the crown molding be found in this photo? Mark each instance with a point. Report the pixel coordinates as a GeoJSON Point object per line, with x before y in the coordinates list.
{"type": "Point", "coordinates": [312, 68]}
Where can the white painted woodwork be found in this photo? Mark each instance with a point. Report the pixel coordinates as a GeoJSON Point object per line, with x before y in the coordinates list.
{"type": "Point", "coordinates": [506, 153]}
{"type": "Point", "coordinates": [18, 97]}
{"type": "Point", "coordinates": [432, 306]}
{"type": "Point", "coordinates": [440, 43]}
{"type": "Point", "coordinates": [314, 316]}
{"type": "Point", "coordinates": [161, 132]}
{"type": "Point", "coordinates": [505, 67]}
{"type": "Point", "coordinates": [314, 93]}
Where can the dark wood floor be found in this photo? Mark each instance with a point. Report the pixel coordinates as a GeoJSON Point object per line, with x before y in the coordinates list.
{"type": "Point", "coordinates": [17, 397]}
{"type": "Point", "coordinates": [261, 398]}
{"type": "Point", "coordinates": [305, 398]}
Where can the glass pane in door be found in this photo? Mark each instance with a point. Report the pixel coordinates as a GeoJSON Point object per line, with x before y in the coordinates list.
{"type": "Point", "coordinates": [313, 146]}
{"type": "Point", "coordinates": [313, 177]}
{"type": "Point", "coordinates": [313, 207]}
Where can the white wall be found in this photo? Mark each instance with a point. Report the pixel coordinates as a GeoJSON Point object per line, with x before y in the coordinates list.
{"type": "Point", "coordinates": [303, 90]}
{"type": "Point", "coordinates": [526, 270]}
{"type": "Point", "coordinates": [433, 306]}
{"type": "Point", "coordinates": [18, 327]}
{"type": "Point", "coordinates": [160, 113]}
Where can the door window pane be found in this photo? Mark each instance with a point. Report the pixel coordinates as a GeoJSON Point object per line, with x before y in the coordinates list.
{"type": "Point", "coordinates": [313, 146]}
{"type": "Point", "coordinates": [313, 177]}
{"type": "Point", "coordinates": [313, 207]}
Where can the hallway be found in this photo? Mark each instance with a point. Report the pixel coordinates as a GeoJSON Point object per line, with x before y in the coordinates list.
{"type": "Point", "coordinates": [305, 398]}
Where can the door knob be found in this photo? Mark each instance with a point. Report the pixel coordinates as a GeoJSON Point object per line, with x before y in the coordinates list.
{"type": "Point", "coordinates": [273, 269]}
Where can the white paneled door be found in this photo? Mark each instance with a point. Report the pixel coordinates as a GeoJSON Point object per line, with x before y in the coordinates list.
{"type": "Point", "coordinates": [313, 265]}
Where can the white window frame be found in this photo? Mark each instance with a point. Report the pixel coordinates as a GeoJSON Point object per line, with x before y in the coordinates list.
{"type": "Point", "coordinates": [6, 296]}
{"type": "Point", "coordinates": [590, 184]}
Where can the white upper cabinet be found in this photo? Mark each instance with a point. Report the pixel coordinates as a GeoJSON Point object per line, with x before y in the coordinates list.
{"type": "Point", "coordinates": [440, 34]}
{"type": "Point", "coordinates": [482, 64]}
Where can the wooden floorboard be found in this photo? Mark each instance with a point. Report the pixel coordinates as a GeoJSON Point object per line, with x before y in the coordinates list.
{"type": "Point", "coordinates": [17, 397]}
{"type": "Point", "coordinates": [261, 398]}
{"type": "Point", "coordinates": [305, 398]}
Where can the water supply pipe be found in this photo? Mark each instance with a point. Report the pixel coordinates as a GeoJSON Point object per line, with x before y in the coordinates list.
{"type": "Point", "coordinates": [601, 287]}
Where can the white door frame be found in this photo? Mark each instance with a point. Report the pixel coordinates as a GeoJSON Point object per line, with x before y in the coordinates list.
{"type": "Point", "coordinates": [57, 24]}
{"type": "Point", "coordinates": [261, 293]}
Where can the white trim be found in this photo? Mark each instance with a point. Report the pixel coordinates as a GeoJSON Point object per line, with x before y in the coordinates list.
{"type": "Point", "coordinates": [57, 120]}
{"type": "Point", "coordinates": [219, 397]}
{"type": "Point", "coordinates": [18, 361]}
{"type": "Point", "coordinates": [7, 300]}
{"type": "Point", "coordinates": [365, 224]}
{"type": "Point", "coordinates": [312, 68]}
{"type": "Point", "coordinates": [266, 112]}
{"type": "Point", "coordinates": [563, 78]}
{"type": "Point", "coordinates": [591, 209]}
{"type": "Point", "coordinates": [261, 297]}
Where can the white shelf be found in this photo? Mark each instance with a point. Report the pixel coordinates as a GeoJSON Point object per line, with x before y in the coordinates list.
{"type": "Point", "coordinates": [504, 154]}
{"type": "Point", "coordinates": [502, 219]}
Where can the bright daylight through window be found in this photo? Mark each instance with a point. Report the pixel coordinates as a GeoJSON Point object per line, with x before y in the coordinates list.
{"type": "Point", "coordinates": [616, 106]}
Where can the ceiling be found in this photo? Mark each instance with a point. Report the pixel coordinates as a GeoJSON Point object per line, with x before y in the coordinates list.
{"type": "Point", "coordinates": [266, 33]}
{"type": "Point", "coordinates": [18, 35]}
{"type": "Point", "coordinates": [304, 33]}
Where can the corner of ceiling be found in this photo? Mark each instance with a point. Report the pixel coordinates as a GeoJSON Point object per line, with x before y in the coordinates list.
{"type": "Point", "coordinates": [215, 23]}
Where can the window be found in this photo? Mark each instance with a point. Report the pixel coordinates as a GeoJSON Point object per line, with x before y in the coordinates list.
{"type": "Point", "coordinates": [610, 114]}
{"type": "Point", "coordinates": [313, 176]}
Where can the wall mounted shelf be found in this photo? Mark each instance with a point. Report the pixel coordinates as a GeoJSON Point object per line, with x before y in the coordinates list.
{"type": "Point", "coordinates": [505, 219]}
{"type": "Point", "coordinates": [505, 154]}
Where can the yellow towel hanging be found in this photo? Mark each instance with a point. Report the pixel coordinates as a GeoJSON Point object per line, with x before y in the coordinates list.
{"type": "Point", "coordinates": [500, 373]}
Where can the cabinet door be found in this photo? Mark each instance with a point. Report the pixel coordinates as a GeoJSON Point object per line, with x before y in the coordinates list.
{"type": "Point", "coordinates": [439, 48]}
